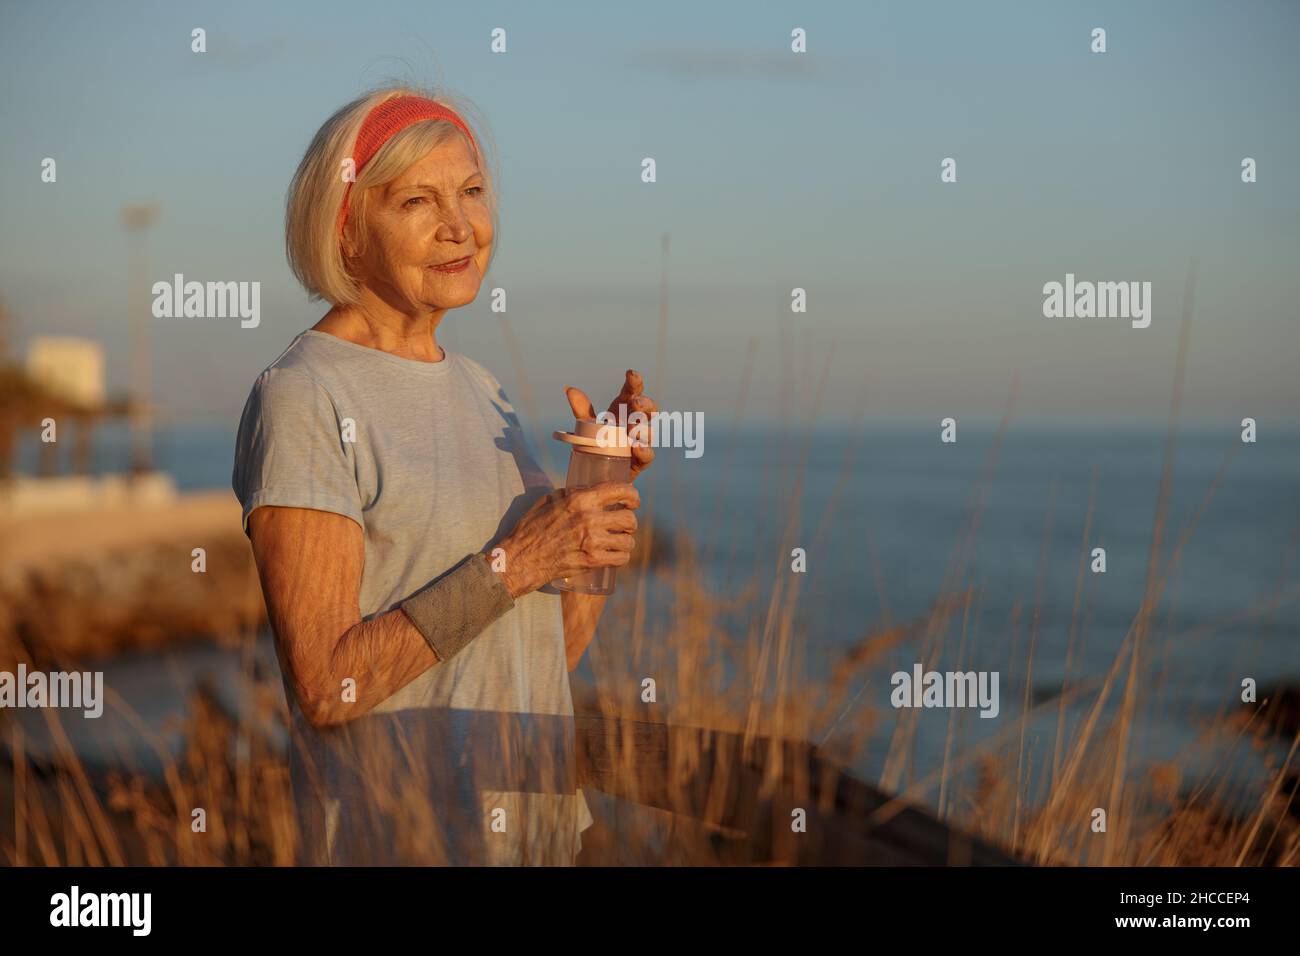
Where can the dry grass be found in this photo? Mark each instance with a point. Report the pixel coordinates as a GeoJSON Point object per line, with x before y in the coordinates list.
{"type": "Point", "coordinates": [732, 664]}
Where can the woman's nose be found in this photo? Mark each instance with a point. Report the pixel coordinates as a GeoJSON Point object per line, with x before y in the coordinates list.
{"type": "Point", "coordinates": [453, 226]}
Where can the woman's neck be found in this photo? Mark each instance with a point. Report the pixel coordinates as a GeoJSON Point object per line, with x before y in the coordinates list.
{"type": "Point", "coordinates": [386, 329]}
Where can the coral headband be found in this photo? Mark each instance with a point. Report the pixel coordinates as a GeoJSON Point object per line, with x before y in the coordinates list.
{"type": "Point", "coordinates": [387, 120]}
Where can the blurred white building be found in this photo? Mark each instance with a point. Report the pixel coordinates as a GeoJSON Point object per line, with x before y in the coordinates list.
{"type": "Point", "coordinates": [71, 368]}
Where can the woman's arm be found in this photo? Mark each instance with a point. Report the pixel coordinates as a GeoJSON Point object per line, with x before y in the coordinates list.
{"type": "Point", "coordinates": [310, 563]}
{"type": "Point", "coordinates": [581, 612]}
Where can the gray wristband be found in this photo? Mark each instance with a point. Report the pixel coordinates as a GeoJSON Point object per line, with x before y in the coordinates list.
{"type": "Point", "coordinates": [456, 606]}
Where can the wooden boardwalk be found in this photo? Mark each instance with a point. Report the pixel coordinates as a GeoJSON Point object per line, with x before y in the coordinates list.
{"type": "Point", "coordinates": [745, 794]}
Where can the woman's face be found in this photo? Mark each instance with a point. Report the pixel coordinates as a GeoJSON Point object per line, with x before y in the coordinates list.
{"type": "Point", "coordinates": [434, 213]}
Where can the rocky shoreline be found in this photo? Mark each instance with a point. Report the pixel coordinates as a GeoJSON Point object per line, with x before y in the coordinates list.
{"type": "Point", "coordinates": [78, 586]}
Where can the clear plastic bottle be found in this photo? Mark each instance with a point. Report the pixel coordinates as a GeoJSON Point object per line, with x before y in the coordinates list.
{"type": "Point", "coordinates": [600, 453]}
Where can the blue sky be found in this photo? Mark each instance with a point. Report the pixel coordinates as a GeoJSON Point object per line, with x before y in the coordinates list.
{"type": "Point", "coordinates": [774, 171]}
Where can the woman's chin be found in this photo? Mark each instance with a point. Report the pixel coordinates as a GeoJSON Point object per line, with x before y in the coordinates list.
{"type": "Point", "coordinates": [452, 292]}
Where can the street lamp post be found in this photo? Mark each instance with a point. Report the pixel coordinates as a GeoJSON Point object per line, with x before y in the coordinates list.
{"type": "Point", "coordinates": [137, 219]}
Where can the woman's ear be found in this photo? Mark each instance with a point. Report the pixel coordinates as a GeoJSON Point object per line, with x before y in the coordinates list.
{"type": "Point", "coordinates": [348, 242]}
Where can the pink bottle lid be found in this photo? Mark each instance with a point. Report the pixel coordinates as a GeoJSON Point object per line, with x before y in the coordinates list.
{"type": "Point", "coordinates": [594, 437]}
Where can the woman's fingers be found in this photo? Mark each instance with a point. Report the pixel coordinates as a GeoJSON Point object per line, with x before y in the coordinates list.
{"type": "Point", "coordinates": [642, 455]}
{"type": "Point", "coordinates": [579, 403]}
{"type": "Point", "coordinates": [613, 542]}
{"type": "Point", "coordinates": [598, 548]}
{"type": "Point", "coordinates": [632, 396]}
{"type": "Point", "coordinates": [608, 538]}
{"type": "Point", "coordinates": [632, 386]}
{"type": "Point", "coordinates": [609, 559]}
{"type": "Point", "coordinates": [647, 407]}
{"type": "Point", "coordinates": [619, 521]}
{"type": "Point", "coordinates": [598, 497]}
{"type": "Point", "coordinates": [640, 433]}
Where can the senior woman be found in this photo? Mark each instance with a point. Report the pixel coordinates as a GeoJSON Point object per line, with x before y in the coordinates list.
{"type": "Point", "coordinates": [401, 529]}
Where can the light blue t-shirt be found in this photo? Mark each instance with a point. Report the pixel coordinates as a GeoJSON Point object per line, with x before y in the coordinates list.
{"type": "Point", "coordinates": [472, 761]}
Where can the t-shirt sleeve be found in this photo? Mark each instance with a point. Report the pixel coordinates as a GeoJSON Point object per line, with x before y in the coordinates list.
{"type": "Point", "coordinates": [290, 450]}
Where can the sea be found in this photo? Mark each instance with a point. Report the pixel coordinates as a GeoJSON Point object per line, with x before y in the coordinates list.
{"type": "Point", "coordinates": [881, 521]}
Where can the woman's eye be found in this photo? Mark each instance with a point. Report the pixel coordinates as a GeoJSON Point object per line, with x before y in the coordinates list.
{"type": "Point", "coordinates": [415, 200]}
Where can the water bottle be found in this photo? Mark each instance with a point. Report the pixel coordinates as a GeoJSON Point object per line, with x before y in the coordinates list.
{"type": "Point", "coordinates": [599, 453]}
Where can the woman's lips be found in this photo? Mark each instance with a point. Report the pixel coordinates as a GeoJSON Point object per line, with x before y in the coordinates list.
{"type": "Point", "coordinates": [460, 265]}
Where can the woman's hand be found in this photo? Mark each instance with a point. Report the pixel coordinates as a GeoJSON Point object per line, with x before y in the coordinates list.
{"type": "Point", "coordinates": [569, 532]}
{"type": "Point", "coordinates": [634, 398]}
